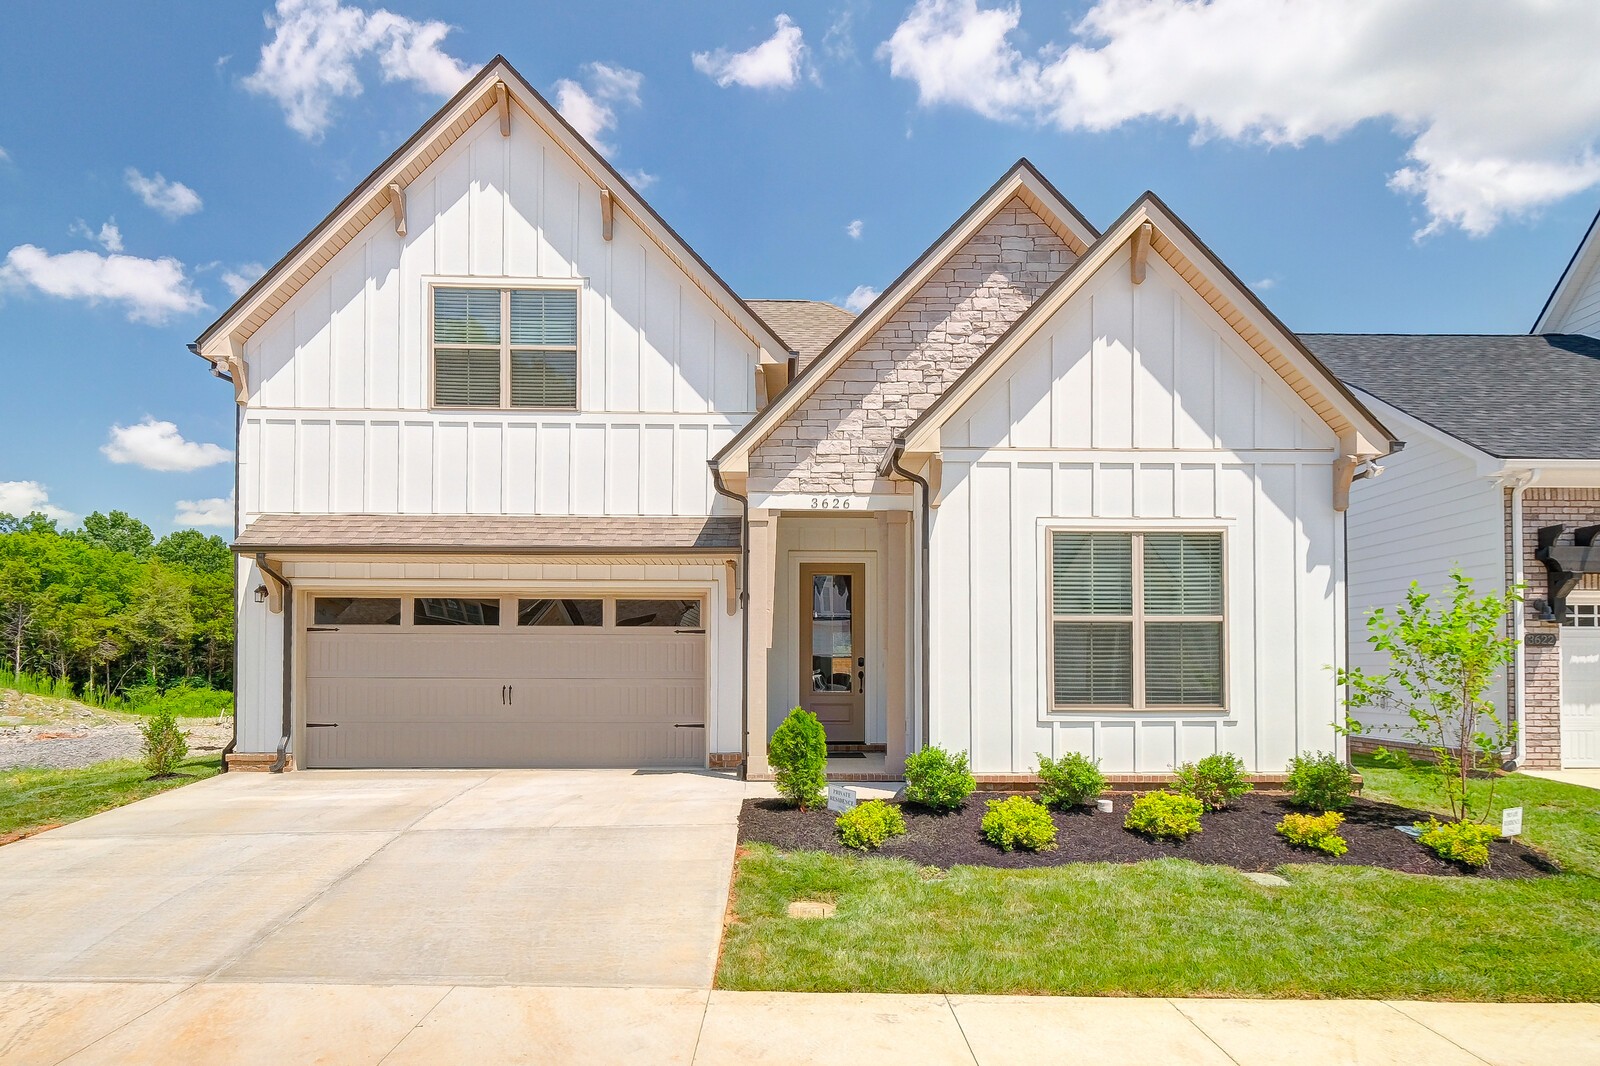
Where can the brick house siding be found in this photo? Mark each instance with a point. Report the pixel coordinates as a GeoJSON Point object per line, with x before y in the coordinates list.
{"type": "Point", "coordinates": [836, 439]}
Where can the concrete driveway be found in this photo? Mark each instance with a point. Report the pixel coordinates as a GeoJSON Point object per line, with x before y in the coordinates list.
{"type": "Point", "coordinates": [568, 878]}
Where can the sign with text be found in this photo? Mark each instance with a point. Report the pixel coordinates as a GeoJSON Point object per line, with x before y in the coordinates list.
{"type": "Point", "coordinates": [841, 798]}
{"type": "Point", "coordinates": [1511, 822]}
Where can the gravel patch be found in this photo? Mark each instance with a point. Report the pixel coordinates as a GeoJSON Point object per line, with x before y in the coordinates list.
{"type": "Point", "coordinates": [37, 731]}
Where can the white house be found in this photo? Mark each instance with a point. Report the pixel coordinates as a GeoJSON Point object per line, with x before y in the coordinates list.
{"type": "Point", "coordinates": [523, 482]}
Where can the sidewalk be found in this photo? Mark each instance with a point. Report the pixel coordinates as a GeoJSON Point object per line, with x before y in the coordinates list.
{"type": "Point", "coordinates": [356, 1024]}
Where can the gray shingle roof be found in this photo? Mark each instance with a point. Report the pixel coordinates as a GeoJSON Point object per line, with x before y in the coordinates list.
{"type": "Point", "coordinates": [808, 325]}
{"type": "Point", "coordinates": [1518, 396]}
{"type": "Point", "coordinates": [499, 534]}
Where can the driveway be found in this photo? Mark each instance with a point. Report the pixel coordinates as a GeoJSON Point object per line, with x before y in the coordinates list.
{"type": "Point", "coordinates": [567, 878]}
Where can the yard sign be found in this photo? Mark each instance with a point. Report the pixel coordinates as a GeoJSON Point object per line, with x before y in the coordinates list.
{"type": "Point", "coordinates": [841, 798]}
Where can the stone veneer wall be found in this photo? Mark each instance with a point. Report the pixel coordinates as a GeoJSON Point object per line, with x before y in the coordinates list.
{"type": "Point", "coordinates": [836, 439]}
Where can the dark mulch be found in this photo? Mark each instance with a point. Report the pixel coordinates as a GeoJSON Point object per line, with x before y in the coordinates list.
{"type": "Point", "coordinates": [1243, 836]}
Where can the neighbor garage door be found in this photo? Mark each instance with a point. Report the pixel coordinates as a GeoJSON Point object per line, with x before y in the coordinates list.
{"type": "Point", "coordinates": [463, 681]}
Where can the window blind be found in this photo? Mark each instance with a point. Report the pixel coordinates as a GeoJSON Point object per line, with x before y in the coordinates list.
{"type": "Point", "coordinates": [1093, 663]}
{"type": "Point", "coordinates": [1183, 573]}
{"type": "Point", "coordinates": [544, 317]}
{"type": "Point", "coordinates": [466, 377]}
{"type": "Point", "coordinates": [1093, 573]}
{"type": "Point", "coordinates": [466, 316]}
{"type": "Point", "coordinates": [1183, 664]}
{"type": "Point", "coordinates": [544, 379]}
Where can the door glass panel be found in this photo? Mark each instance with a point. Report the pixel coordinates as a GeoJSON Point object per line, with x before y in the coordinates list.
{"type": "Point", "coordinates": [439, 611]}
{"type": "Point", "coordinates": [356, 611]}
{"type": "Point", "coordinates": [682, 614]}
{"type": "Point", "coordinates": [833, 652]}
{"type": "Point", "coordinates": [558, 612]}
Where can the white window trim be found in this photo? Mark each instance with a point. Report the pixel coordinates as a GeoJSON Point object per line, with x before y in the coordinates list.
{"type": "Point", "coordinates": [1049, 526]}
{"type": "Point", "coordinates": [509, 604]}
{"type": "Point", "coordinates": [576, 286]}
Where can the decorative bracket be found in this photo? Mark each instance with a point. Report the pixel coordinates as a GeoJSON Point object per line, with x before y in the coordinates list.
{"type": "Point", "coordinates": [502, 97]}
{"type": "Point", "coordinates": [1566, 566]}
{"type": "Point", "coordinates": [397, 204]}
{"type": "Point", "coordinates": [607, 209]}
{"type": "Point", "coordinates": [1141, 251]}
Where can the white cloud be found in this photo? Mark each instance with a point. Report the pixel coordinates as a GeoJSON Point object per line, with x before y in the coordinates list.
{"type": "Point", "coordinates": [172, 199]}
{"type": "Point", "coordinates": [310, 62]}
{"type": "Point", "coordinates": [1264, 284]}
{"type": "Point", "coordinates": [775, 63]}
{"type": "Point", "coordinates": [241, 277]}
{"type": "Point", "coordinates": [1499, 101]}
{"type": "Point", "coordinates": [860, 298]}
{"type": "Point", "coordinates": [853, 230]}
{"type": "Point", "coordinates": [838, 42]}
{"type": "Point", "coordinates": [639, 179]}
{"type": "Point", "coordinates": [108, 236]}
{"type": "Point", "coordinates": [5, 156]}
{"type": "Point", "coordinates": [215, 511]}
{"type": "Point", "coordinates": [159, 446]}
{"type": "Point", "coordinates": [21, 498]}
{"type": "Point", "coordinates": [149, 290]}
{"type": "Point", "coordinates": [591, 106]}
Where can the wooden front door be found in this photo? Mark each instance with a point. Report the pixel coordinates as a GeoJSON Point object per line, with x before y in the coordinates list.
{"type": "Point", "coordinates": [833, 655]}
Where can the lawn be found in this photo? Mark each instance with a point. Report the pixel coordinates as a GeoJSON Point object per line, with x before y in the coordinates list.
{"type": "Point", "coordinates": [31, 798]}
{"type": "Point", "coordinates": [1173, 927]}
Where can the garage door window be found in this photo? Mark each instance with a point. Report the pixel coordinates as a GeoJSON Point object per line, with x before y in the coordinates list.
{"type": "Point", "coordinates": [675, 613]}
{"type": "Point", "coordinates": [440, 611]}
{"type": "Point", "coordinates": [356, 611]}
{"type": "Point", "coordinates": [560, 612]}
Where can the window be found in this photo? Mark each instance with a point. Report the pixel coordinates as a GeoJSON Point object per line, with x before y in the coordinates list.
{"type": "Point", "coordinates": [355, 611]}
{"type": "Point", "coordinates": [558, 612]}
{"type": "Point", "coordinates": [505, 347]}
{"type": "Point", "coordinates": [684, 614]}
{"type": "Point", "coordinates": [1136, 620]}
{"type": "Point", "coordinates": [440, 611]}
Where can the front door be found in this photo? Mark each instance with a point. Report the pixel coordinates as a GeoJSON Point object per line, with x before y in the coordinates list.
{"type": "Point", "coordinates": [1580, 689]}
{"type": "Point", "coordinates": [833, 656]}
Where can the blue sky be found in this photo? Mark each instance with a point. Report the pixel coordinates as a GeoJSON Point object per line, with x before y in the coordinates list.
{"type": "Point", "coordinates": [1310, 164]}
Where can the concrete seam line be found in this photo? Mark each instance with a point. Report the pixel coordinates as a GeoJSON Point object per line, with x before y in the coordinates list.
{"type": "Point", "coordinates": [1414, 1020]}
{"type": "Point", "coordinates": [705, 1011]}
{"type": "Point", "coordinates": [112, 1032]}
{"type": "Point", "coordinates": [418, 1025]}
{"type": "Point", "coordinates": [1186, 1016]}
{"type": "Point", "coordinates": [965, 1039]}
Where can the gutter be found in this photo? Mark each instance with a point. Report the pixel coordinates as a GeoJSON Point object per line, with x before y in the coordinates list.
{"type": "Point", "coordinates": [895, 452]}
{"type": "Point", "coordinates": [288, 661]}
{"type": "Point", "coordinates": [744, 616]}
{"type": "Point", "coordinates": [1519, 624]}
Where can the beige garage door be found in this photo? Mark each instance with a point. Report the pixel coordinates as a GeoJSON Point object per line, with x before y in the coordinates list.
{"type": "Point", "coordinates": [463, 681]}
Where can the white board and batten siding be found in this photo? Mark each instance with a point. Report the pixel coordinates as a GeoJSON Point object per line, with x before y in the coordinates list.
{"type": "Point", "coordinates": [1135, 407]}
{"type": "Point", "coordinates": [339, 414]}
{"type": "Point", "coordinates": [1583, 314]}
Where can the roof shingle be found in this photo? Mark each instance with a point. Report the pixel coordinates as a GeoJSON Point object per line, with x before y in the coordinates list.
{"type": "Point", "coordinates": [499, 534]}
{"type": "Point", "coordinates": [808, 326]}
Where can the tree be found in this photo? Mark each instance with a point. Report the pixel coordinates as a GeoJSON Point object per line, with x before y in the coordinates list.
{"type": "Point", "coordinates": [118, 532]}
{"type": "Point", "coordinates": [158, 619]}
{"type": "Point", "coordinates": [193, 550]}
{"type": "Point", "coordinates": [1442, 660]}
{"type": "Point", "coordinates": [33, 522]}
{"type": "Point", "coordinates": [20, 592]}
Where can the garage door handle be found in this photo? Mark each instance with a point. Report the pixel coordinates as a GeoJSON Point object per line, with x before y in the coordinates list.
{"type": "Point", "coordinates": [322, 629]}
{"type": "Point", "coordinates": [687, 725]}
{"type": "Point", "coordinates": [691, 631]}
{"type": "Point", "coordinates": [322, 725]}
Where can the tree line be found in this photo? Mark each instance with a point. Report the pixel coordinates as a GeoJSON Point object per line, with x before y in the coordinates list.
{"type": "Point", "coordinates": [108, 608]}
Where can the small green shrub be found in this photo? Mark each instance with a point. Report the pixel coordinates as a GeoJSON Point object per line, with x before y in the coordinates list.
{"type": "Point", "coordinates": [164, 746]}
{"type": "Point", "coordinates": [1317, 831]}
{"type": "Point", "coordinates": [1464, 842]}
{"type": "Point", "coordinates": [798, 755]}
{"type": "Point", "coordinates": [1165, 814]}
{"type": "Point", "coordinates": [1320, 781]}
{"type": "Point", "coordinates": [1019, 822]}
{"type": "Point", "coordinates": [1070, 781]}
{"type": "Point", "coordinates": [869, 825]}
{"type": "Point", "coordinates": [1213, 781]}
{"type": "Point", "coordinates": [938, 779]}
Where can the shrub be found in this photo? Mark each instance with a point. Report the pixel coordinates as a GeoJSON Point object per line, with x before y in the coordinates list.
{"type": "Point", "coordinates": [1019, 822]}
{"type": "Point", "coordinates": [935, 778]}
{"type": "Point", "coordinates": [1318, 780]}
{"type": "Point", "coordinates": [798, 755]}
{"type": "Point", "coordinates": [164, 746]}
{"type": "Point", "coordinates": [1464, 842]}
{"type": "Point", "coordinates": [1213, 781]}
{"type": "Point", "coordinates": [1318, 831]}
{"type": "Point", "coordinates": [1165, 814]}
{"type": "Point", "coordinates": [1069, 781]}
{"type": "Point", "coordinates": [869, 825]}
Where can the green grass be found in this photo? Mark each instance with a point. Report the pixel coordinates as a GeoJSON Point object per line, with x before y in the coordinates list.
{"type": "Point", "coordinates": [185, 699]}
{"type": "Point", "coordinates": [33, 798]}
{"type": "Point", "coordinates": [1173, 927]}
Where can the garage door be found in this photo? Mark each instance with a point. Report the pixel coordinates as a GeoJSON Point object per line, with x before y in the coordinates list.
{"type": "Point", "coordinates": [464, 681]}
{"type": "Point", "coordinates": [1580, 687]}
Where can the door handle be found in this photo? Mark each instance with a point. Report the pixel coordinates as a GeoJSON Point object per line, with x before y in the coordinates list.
{"type": "Point", "coordinates": [511, 695]}
{"type": "Point", "coordinates": [503, 695]}
{"type": "Point", "coordinates": [861, 680]}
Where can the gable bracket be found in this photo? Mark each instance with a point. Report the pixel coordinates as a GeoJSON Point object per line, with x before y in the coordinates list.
{"type": "Point", "coordinates": [607, 210]}
{"type": "Point", "coordinates": [502, 98]}
{"type": "Point", "coordinates": [1141, 251]}
{"type": "Point", "coordinates": [397, 204]}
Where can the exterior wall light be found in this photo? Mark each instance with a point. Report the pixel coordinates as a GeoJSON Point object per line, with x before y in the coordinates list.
{"type": "Point", "coordinates": [261, 594]}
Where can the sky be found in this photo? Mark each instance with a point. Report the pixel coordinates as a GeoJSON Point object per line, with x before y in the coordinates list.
{"type": "Point", "coordinates": [1366, 165]}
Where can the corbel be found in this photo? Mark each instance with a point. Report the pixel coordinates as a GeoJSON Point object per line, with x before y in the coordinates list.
{"type": "Point", "coordinates": [502, 99]}
{"type": "Point", "coordinates": [606, 210]}
{"type": "Point", "coordinates": [1141, 251]}
{"type": "Point", "coordinates": [934, 472]}
{"type": "Point", "coordinates": [397, 204]}
{"type": "Point", "coordinates": [1344, 472]}
{"type": "Point", "coordinates": [732, 586]}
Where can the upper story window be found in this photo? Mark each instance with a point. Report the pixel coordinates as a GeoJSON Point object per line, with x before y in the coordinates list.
{"type": "Point", "coordinates": [505, 347]}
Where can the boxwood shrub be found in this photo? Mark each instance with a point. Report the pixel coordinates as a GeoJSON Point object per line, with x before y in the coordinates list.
{"type": "Point", "coordinates": [1213, 781]}
{"type": "Point", "coordinates": [1463, 842]}
{"type": "Point", "coordinates": [869, 825]}
{"type": "Point", "coordinates": [1318, 780]}
{"type": "Point", "coordinates": [1019, 822]}
{"type": "Point", "coordinates": [1070, 781]}
{"type": "Point", "coordinates": [938, 779]}
{"type": "Point", "coordinates": [1165, 815]}
{"type": "Point", "coordinates": [1319, 832]}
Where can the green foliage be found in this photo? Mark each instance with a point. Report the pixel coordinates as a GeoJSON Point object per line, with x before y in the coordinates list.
{"type": "Point", "coordinates": [798, 755]}
{"type": "Point", "coordinates": [1442, 661]}
{"type": "Point", "coordinates": [1019, 822]}
{"type": "Point", "coordinates": [1317, 831]}
{"type": "Point", "coordinates": [1166, 815]}
{"type": "Point", "coordinates": [1213, 781]}
{"type": "Point", "coordinates": [118, 532]}
{"type": "Point", "coordinates": [1070, 781]}
{"type": "Point", "coordinates": [164, 746]}
{"type": "Point", "coordinates": [186, 699]}
{"type": "Point", "coordinates": [1320, 781]}
{"type": "Point", "coordinates": [938, 779]}
{"type": "Point", "coordinates": [869, 825]}
{"type": "Point", "coordinates": [1463, 842]}
{"type": "Point", "coordinates": [195, 551]}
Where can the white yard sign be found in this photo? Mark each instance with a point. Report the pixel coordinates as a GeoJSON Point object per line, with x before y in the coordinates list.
{"type": "Point", "coordinates": [1511, 822]}
{"type": "Point", "coordinates": [841, 798]}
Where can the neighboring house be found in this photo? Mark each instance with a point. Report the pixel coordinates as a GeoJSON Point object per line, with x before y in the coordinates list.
{"type": "Point", "coordinates": [1502, 443]}
{"type": "Point", "coordinates": [522, 482]}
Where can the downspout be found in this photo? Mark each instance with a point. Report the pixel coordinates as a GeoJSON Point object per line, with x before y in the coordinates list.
{"type": "Point", "coordinates": [288, 659]}
{"type": "Point", "coordinates": [744, 615]}
{"type": "Point", "coordinates": [924, 584]}
{"type": "Point", "coordinates": [1519, 622]}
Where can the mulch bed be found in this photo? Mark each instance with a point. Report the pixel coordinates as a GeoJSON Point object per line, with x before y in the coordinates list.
{"type": "Point", "coordinates": [1243, 836]}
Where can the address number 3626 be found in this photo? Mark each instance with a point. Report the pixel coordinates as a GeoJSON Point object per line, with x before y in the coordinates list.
{"type": "Point", "coordinates": [830, 503]}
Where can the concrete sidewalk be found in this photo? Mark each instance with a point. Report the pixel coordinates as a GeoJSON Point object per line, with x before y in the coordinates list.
{"type": "Point", "coordinates": [396, 1024]}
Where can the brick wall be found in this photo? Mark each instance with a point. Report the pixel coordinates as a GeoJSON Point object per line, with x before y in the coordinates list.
{"type": "Point", "coordinates": [838, 437]}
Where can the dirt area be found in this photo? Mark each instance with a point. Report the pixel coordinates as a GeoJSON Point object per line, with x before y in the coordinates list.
{"type": "Point", "coordinates": [1243, 836]}
{"type": "Point", "coordinates": [42, 731]}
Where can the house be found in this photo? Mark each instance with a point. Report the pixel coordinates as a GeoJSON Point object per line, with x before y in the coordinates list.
{"type": "Point", "coordinates": [523, 482]}
{"type": "Point", "coordinates": [1501, 478]}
